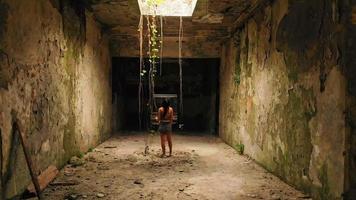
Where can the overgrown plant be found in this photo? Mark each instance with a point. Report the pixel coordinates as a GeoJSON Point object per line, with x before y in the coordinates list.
{"type": "Point", "coordinates": [240, 148]}
{"type": "Point", "coordinates": [153, 53]}
{"type": "Point", "coordinates": [154, 45]}
{"type": "Point", "coordinates": [152, 3]}
{"type": "Point", "coordinates": [237, 74]}
{"type": "Point", "coordinates": [153, 39]}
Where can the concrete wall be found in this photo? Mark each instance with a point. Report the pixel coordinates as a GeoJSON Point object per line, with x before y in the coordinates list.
{"type": "Point", "coordinates": [350, 72]}
{"type": "Point", "coordinates": [283, 93]}
{"type": "Point", "coordinates": [55, 80]}
{"type": "Point", "coordinates": [200, 47]}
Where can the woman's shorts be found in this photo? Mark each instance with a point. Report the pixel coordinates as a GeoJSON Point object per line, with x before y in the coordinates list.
{"type": "Point", "coordinates": [165, 127]}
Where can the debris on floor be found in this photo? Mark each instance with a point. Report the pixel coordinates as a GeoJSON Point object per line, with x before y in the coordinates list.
{"type": "Point", "coordinates": [198, 169]}
{"type": "Point", "coordinates": [75, 161]}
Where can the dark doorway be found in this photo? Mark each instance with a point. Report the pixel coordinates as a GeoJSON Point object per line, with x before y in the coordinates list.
{"type": "Point", "coordinates": [200, 92]}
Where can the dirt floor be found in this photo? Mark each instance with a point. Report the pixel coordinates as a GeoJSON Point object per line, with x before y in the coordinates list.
{"type": "Point", "coordinates": [202, 167]}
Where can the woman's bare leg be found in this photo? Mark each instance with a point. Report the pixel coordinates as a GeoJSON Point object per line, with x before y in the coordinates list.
{"type": "Point", "coordinates": [163, 145]}
{"type": "Point", "coordinates": [169, 138]}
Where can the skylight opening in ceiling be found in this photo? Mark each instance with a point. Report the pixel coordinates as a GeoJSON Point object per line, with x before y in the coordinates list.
{"type": "Point", "coordinates": [184, 8]}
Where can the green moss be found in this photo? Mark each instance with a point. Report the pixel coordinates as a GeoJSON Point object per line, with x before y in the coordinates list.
{"type": "Point", "coordinates": [295, 134]}
{"type": "Point", "coordinates": [70, 60]}
{"type": "Point", "coordinates": [237, 75]}
{"type": "Point", "coordinates": [69, 143]}
{"type": "Point", "coordinates": [240, 148]}
{"type": "Point", "coordinates": [251, 118]}
{"type": "Point", "coordinates": [247, 67]}
{"type": "Point", "coordinates": [292, 74]}
{"type": "Point", "coordinates": [324, 191]}
{"type": "Point", "coordinates": [81, 155]}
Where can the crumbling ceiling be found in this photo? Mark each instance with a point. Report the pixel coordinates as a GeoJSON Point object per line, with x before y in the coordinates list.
{"type": "Point", "coordinates": [211, 18]}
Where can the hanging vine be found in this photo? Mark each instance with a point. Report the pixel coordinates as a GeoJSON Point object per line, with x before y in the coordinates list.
{"type": "Point", "coordinates": [154, 45]}
{"type": "Point", "coordinates": [180, 37]}
{"type": "Point", "coordinates": [161, 56]}
{"type": "Point", "coordinates": [142, 72]}
{"type": "Point", "coordinates": [153, 55]}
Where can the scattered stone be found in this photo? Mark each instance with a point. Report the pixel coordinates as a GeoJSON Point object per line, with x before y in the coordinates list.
{"type": "Point", "coordinates": [100, 195]}
{"type": "Point", "coordinates": [110, 147]}
{"type": "Point", "coordinates": [276, 197]}
{"type": "Point", "coordinates": [84, 196]}
{"type": "Point", "coordinates": [75, 161]}
{"type": "Point", "coordinates": [103, 167]}
{"type": "Point", "coordinates": [138, 182]}
{"type": "Point", "coordinates": [181, 171]}
{"type": "Point", "coordinates": [252, 195]}
{"type": "Point", "coordinates": [69, 171]}
{"type": "Point", "coordinates": [72, 197]}
{"type": "Point", "coordinates": [181, 189]}
{"type": "Point", "coordinates": [64, 183]}
{"type": "Point", "coordinates": [131, 158]}
{"type": "Point", "coordinates": [91, 158]}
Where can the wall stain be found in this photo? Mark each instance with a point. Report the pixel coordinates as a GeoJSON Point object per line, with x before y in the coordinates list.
{"type": "Point", "coordinates": [3, 21]}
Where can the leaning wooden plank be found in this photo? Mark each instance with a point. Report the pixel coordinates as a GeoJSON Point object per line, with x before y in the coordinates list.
{"type": "Point", "coordinates": [19, 130]}
{"type": "Point", "coordinates": [44, 178]}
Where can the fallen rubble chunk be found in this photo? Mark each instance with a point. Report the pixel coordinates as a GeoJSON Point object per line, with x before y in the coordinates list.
{"type": "Point", "coordinates": [103, 167]}
{"type": "Point", "coordinates": [110, 147]}
{"type": "Point", "coordinates": [138, 182]}
{"type": "Point", "coordinates": [64, 183]}
{"type": "Point", "coordinates": [72, 197]}
{"type": "Point", "coordinates": [68, 171]}
{"type": "Point", "coordinates": [75, 161]}
{"type": "Point", "coordinates": [100, 195]}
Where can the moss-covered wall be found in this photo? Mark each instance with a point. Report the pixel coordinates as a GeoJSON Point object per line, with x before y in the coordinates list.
{"type": "Point", "coordinates": [283, 93]}
{"type": "Point", "coordinates": [55, 80]}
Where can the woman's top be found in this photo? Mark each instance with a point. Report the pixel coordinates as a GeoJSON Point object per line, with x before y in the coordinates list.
{"type": "Point", "coordinates": [168, 118]}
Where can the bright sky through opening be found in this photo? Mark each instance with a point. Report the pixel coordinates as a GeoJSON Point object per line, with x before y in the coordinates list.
{"type": "Point", "coordinates": [183, 8]}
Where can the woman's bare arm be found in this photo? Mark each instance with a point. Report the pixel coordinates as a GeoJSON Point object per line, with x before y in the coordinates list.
{"type": "Point", "coordinates": [158, 117]}
{"type": "Point", "coordinates": [171, 115]}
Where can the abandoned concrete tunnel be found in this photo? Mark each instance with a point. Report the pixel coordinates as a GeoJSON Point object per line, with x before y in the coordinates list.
{"type": "Point", "coordinates": [199, 85]}
{"type": "Point", "coordinates": [262, 92]}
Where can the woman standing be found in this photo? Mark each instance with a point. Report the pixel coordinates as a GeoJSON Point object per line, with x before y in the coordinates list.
{"type": "Point", "coordinates": [165, 120]}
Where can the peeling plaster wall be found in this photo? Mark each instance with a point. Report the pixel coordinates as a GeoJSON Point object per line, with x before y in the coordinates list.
{"type": "Point", "coordinates": [55, 80]}
{"type": "Point", "coordinates": [283, 94]}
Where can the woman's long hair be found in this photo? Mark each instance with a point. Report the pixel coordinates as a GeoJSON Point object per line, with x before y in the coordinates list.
{"type": "Point", "coordinates": [165, 105]}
